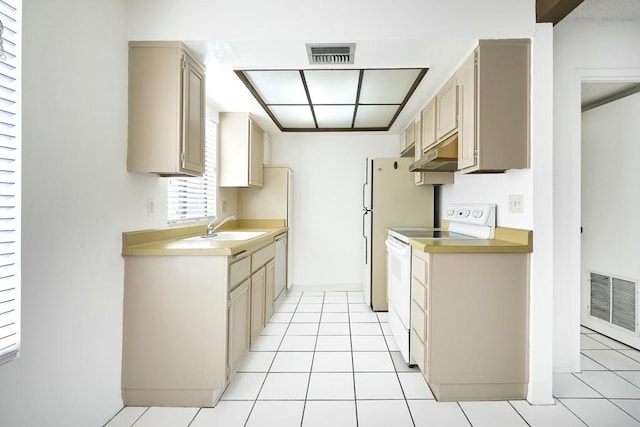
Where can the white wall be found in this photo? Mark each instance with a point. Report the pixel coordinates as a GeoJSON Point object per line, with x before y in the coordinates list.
{"type": "Point", "coordinates": [328, 173]}
{"type": "Point", "coordinates": [610, 245]}
{"type": "Point", "coordinates": [590, 51]}
{"type": "Point", "coordinates": [77, 200]}
{"type": "Point", "coordinates": [535, 184]}
{"type": "Point", "coordinates": [495, 188]}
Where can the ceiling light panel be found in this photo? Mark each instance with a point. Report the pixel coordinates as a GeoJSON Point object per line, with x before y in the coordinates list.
{"type": "Point", "coordinates": [332, 86]}
{"type": "Point", "coordinates": [387, 86]}
{"type": "Point", "coordinates": [334, 116]}
{"type": "Point", "coordinates": [328, 99]}
{"type": "Point", "coordinates": [278, 86]}
{"type": "Point", "coordinates": [375, 116]}
{"type": "Point", "coordinates": [293, 116]}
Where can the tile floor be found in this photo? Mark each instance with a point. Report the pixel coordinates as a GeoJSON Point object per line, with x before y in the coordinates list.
{"type": "Point", "coordinates": [325, 359]}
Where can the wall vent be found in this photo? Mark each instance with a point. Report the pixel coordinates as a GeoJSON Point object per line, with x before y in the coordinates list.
{"type": "Point", "coordinates": [614, 300]}
{"type": "Point", "coordinates": [331, 53]}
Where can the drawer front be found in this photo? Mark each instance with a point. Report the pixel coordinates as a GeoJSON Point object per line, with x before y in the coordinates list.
{"type": "Point", "coordinates": [239, 271]}
{"type": "Point", "coordinates": [419, 321]}
{"type": "Point", "coordinates": [417, 351]}
{"type": "Point", "coordinates": [262, 256]}
{"type": "Point", "coordinates": [420, 269]}
{"type": "Point", "coordinates": [419, 294]}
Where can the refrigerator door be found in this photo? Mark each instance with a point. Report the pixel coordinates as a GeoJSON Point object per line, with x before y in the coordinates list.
{"type": "Point", "coordinates": [396, 202]}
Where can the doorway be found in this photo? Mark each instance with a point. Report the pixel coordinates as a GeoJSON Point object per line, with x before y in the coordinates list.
{"type": "Point", "coordinates": [610, 232]}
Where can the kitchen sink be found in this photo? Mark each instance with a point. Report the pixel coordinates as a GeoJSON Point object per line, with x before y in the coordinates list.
{"type": "Point", "coordinates": [228, 235]}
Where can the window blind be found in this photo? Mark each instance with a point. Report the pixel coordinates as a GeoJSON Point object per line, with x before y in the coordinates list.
{"type": "Point", "coordinates": [10, 17]}
{"type": "Point", "coordinates": [195, 198]}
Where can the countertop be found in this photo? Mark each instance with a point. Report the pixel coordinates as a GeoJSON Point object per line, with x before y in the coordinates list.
{"type": "Point", "coordinates": [506, 240]}
{"type": "Point", "coordinates": [169, 241]}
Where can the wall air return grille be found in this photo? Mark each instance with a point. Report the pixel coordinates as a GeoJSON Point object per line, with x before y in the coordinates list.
{"type": "Point", "coordinates": [331, 53]}
{"type": "Point", "coordinates": [600, 297]}
{"type": "Point", "coordinates": [623, 300]}
{"type": "Point", "coordinates": [614, 300]}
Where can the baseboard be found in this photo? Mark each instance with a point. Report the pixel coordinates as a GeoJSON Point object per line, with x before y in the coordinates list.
{"type": "Point", "coordinates": [334, 287]}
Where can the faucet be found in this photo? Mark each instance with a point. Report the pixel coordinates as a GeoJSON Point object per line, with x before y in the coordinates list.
{"type": "Point", "coordinates": [210, 226]}
{"type": "Point", "coordinates": [211, 229]}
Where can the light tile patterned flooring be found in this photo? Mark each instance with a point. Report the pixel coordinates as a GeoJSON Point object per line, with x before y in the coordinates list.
{"type": "Point", "coordinates": [325, 359]}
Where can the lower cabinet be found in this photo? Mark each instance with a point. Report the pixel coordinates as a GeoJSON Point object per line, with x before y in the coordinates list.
{"type": "Point", "coordinates": [469, 330]}
{"type": "Point", "coordinates": [270, 290]}
{"type": "Point", "coordinates": [262, 288]}
{"type": "Point", "coordinates": [189, 323]}
{"type": "Point", "coordinates": [257, 303]}
{"type": "Point", "coordinates": [238, 335]}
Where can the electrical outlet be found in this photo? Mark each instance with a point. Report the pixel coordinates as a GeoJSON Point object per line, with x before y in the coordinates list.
{"type": "Point", "coordinates": [516, 203]}
{"type": "Point", "coordinates": [151, 207]}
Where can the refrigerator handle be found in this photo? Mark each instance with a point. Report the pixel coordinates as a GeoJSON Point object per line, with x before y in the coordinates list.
{"type": "Point", "coordinates": [366, 183]}
{"type": "Point", "coordinates": [364, 189]}
{"type": "Point", "coordinates": [366, 239]}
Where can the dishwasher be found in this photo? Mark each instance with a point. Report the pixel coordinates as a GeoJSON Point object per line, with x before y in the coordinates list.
{"type": "Point", "coordinates": [281, 264]}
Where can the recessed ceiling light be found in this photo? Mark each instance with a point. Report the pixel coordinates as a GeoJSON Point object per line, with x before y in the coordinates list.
{"type": "Point", "coordinates": [333, 100]}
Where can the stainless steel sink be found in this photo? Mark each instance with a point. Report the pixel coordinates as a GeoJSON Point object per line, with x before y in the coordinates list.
{"type": "Point", "coordinates": [228, 235]}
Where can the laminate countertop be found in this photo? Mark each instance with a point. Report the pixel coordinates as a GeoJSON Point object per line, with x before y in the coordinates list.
{"type": "Point", "coordinates": [172, 241]}
{"type": "Point", "coordinates": [505, 240]}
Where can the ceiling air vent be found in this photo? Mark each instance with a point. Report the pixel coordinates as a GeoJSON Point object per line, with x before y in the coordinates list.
{"type": "Point", "coordinates": [331, 53]}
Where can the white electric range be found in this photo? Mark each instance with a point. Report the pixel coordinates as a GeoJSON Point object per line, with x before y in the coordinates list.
{"type": "Point", "coordinates": [466, 221]}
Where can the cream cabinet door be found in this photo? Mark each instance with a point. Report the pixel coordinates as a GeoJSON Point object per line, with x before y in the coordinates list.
{"type": "Point", "coordinates": [193, 94]}
{"type": "Point", "coordinates": [447, 109]}
{"type": "Point", "coordinates": [238, 332]}
{"type": "Point", "coordinates": [429, 126]}
{"type": "Point", "coordinates": [269, 294]}
{"type": "Point", "coordinates": [257, 303]}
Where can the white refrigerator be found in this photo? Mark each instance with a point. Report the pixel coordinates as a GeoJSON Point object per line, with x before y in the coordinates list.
{"type": "Point", "coordinates": [390, 198]}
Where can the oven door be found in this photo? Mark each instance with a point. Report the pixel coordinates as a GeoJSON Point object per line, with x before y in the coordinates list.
{"type": "Point", "coordinates": [399, 285]}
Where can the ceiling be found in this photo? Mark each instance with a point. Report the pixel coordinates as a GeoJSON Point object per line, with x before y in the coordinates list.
{"type": "Point", "coordinates": [404, 34]}
{"type": "Point", "coordinates": [598, 93]}
{"type": "Point", "coordinates": [254, 34]}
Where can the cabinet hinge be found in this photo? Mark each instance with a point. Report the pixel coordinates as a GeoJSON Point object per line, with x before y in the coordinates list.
{"type": "Point", "coordinates": [182, 159]}
{"type": "Point", "coordinates": [183, 62]}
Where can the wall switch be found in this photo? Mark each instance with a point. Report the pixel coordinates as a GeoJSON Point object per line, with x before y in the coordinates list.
{"type": "Point", "coordinates": [224, 206]}
{"type": "Point", "coordinates": [151, 207]}
{"type": "Point", "coordinates": [516, 203]}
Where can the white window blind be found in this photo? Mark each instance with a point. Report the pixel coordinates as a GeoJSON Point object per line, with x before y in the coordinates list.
{"type": "Point", "coordinates": [195, 198]}
{"type": "Point", "coordinates": [10, 17]}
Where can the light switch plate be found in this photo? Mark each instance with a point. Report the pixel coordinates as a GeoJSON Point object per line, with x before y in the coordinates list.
{"type": "Point", "coordinates": [516, 203]}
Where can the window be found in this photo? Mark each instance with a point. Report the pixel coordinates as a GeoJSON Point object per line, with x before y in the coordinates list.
{"type": "Point", "coordinates": [10, 167]}
{"type": "Point", "coordinates": [191, 199]}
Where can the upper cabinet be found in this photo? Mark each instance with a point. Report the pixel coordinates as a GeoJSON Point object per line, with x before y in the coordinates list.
{"type": "Point", "coordinates": [494, 86]}
{"type": "Point", "coordinates": [408, 141]}
{"type": "Point", "coordinates": [440, 116]}
{"type": "Point", "coordinates": [447, 110]}
{"type": "Point", "coordinates": [241, 151]}
{"type": "Point", "coordinates": [428, 134]}
{"type": "Point", "coordinates": [166, 110]}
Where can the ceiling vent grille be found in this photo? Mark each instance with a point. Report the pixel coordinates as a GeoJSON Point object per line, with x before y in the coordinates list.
{"type": "Point", "coordinates": [342, 53]}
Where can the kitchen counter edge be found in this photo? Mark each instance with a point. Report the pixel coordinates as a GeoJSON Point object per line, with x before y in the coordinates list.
{"type": "Point", "coordinates": [506, 240]}
{"type": "Point", "coordinates": [168, 241]}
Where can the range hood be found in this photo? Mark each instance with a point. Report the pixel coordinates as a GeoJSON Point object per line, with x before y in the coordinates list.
{"type": "Point", "coordinates": [442, 158]}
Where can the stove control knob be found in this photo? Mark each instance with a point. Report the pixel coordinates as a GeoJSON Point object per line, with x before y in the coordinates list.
{"type": "Point", "coordinates": [464, 213]}
{"type": "Point", "coordinates": [450, 212]}
{"type": "Point", "coordinates": [477, 213]}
